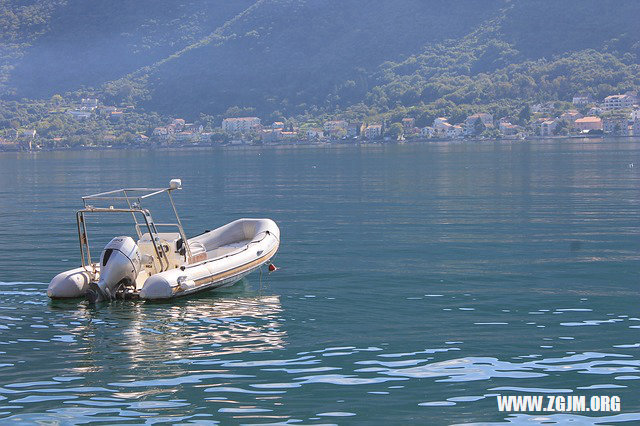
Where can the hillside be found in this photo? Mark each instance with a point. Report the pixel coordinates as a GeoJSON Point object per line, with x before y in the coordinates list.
{"type": "Point", "coordinates": [62, 45]}
{"type": "Point", "coordinates": [533, 51]}
{"type": "Point", "coordinates": [353, 58]}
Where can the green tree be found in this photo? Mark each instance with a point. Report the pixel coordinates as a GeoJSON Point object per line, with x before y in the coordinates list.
{"type": "Point", "coordinates": [479, 127]}
{"type": "Point", "coordinates": [395, 131]}
{"type": "Point", "coordinates": [561, 129]}
{"type": "Point", "coordinates": [525, 115]}
{"type": "Point", "coordinates": [57, 100]}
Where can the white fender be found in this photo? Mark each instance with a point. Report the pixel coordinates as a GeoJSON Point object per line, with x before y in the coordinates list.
{"type": "Point", "coordinates": [72, 283]}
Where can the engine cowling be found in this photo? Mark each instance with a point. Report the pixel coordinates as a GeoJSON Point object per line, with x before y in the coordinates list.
{"type": "Point", "coordinates": [119, 265]}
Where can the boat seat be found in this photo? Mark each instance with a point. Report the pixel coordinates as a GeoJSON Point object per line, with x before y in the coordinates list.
{"type": "Point", "coordinates": [198, 252]}
{"type": "Point", "coordinates": [227, 249]}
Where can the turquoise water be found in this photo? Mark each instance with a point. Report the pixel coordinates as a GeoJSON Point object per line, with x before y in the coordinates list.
{"type": "Point", "coordinates": [415, 283]}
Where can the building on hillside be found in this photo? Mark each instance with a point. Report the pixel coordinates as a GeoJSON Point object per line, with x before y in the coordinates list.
{"type": "Point", "coordinates": [581, 100]}
{"type": "Point", "coordinates": [333, 125]}
{"type": "Point", "coordinates": [160, 133]}
{"type": "Point", "coordinates": [570, 116]}
{"type": "Point", "coordinates": [442, 130]}
{"type": "Point", "coordinates": [186, 137]}
{"type": "Point", "coordinates": [194, 128]}
{"type": "Point", "coordinates": [587, 124]}
{"type": "Point", "coordinates": [141, 138]}
{"type": "Point", "coordinates": [441, 126]}
{"type": "Point", "coordinates": [240, 125]}
{"type": "Point", "coordinates": [335, 128]}
{"type": "Point", "coordinates": [8, 145]}
{"type": "Point", "coordinates": [635, 114]}
{"type": "Point", "coordinates": [271, 135]}
{"type": "Point", "coordinates": [315, 134]}
{"type": "Point", "coordinates": [373, 131]}
{"type": "Point", "coordinates": [79, 114]}
{"type": "Point", "coordinates": [106, 110]}
{"type": "Point", "coordinates": [507, 128]}
{"type": "Point", "coordinates": [619, 102]}
{"type": "Point", "coordinates": [89, 104]}
{"type": "Point", "coordinates": [471, 123]}
{"type": "Point", "coordinates": [178, 124]}
{"type": "Point", "coordinates": [408, 125]}
{"type": "Point", "coordinates": [290, 136]}
{"type": "Point", "coordinates": [454, 132]}
{"type": "Point", "coordinates": [616, 126]}
{"type": "Point", "coordinates": [548, 127]}
{"type": "Point", "coordinates": [635, 97]}
{"type": "Point", "coordinates": [277, 125]}
{"type": "Point", "coordinates": [427, 132]}
{"type": "Point", "coordinates": [116, 115]}
{"type": "Point", "coordinates": [486, 118]}
{"type": "Point", "coordinates": [440, 121]}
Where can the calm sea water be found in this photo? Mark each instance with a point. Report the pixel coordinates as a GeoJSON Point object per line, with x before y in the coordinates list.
{"type": "Point", "coordinates": [415, 283]}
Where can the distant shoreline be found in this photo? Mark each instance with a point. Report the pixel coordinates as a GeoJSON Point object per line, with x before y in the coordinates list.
{"type": "Point", "coordinates": [304, 144]}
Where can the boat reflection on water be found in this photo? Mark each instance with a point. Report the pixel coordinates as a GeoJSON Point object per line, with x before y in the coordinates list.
{"type": "Point", "coordinates": [142, 334]}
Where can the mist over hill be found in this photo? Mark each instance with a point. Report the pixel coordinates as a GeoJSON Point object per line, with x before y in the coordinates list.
{"type": "Point", "coordinates": [311, 57]}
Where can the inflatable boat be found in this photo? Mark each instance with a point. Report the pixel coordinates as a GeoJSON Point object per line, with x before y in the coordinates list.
{"type": "Point", "coordinates": [162, 265]}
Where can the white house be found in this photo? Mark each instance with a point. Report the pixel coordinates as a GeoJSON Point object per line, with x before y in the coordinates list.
{"type": "Point", "coordinates": [616, 125]}
{"type": "Point", "coordinates": [507, 128]}
{"type": "Point", "coordinates": [408, 125]}
{"type": "Point", "coordinates": [191, 127]}
{"type": "Point", "coordinates": [373, 131]}
{"type": "Point", "coordinates": [570, 116]}
{"type": "Point", "coordinates": [454, 132]}
{"type": "Point", "coordinates": [79, 114]}
{"type": "Point", "coordinates": [240, 125]}
{"type": "Point", "coordinates": [315, 134]}
{"type": "Point", "coordinates": [334, 125]}
{"type": "Point", "coordinates": [179, 124]}
{"type": "Point", "coordinates": [618, 102]}
{"type": "Point", "coordinates": [582, 100]}
{"type": "Point", "coordinates": [470, 123]}
{"type": "Point", "coordinates": [89, 103]}
{"type": "Point", "coordinates": [336, 128]}
{"type": "Point", "coordinates": [106, 110]}
{"type": "Point", "coordinates": [548, 127]}
{"type": "Point", "coordinates": [161, 133]}
{"type": "Point", "coordinates": [586, 124]}
{"type": "Point", "coordinates": [441, 126]}
{"type": "Point", "coordinates": [427, 132]}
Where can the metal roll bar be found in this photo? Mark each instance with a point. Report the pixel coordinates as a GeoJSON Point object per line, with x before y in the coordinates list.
{"type": "Point", "coordinates": [131, 202]}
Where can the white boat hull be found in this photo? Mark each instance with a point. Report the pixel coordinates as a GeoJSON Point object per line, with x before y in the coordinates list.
{"type": "Point", "coordinates": [222, 257]}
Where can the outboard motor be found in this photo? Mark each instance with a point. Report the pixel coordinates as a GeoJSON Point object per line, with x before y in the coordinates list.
{"type": "Point", "coordinates": [119, 266]}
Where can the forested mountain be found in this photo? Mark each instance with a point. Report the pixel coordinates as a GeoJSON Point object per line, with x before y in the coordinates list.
{"type": "Point", "coordinates": [61, 45]}
{"type": "Point", "coordinates": [313, 57]}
